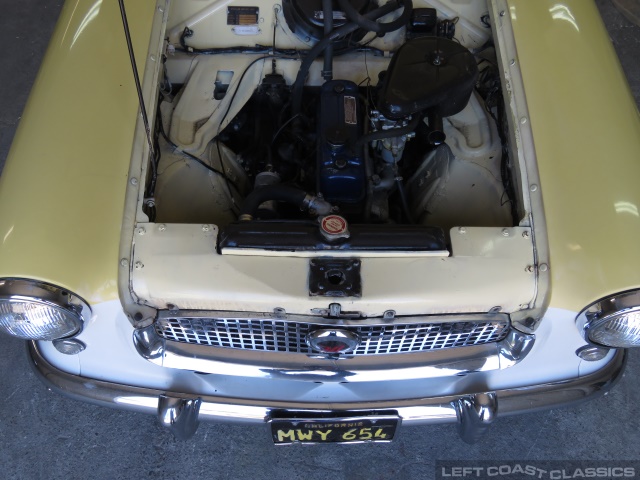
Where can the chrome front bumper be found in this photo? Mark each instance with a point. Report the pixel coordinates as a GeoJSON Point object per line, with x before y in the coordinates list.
{"type": "Point", "coordinates": [473, 413]}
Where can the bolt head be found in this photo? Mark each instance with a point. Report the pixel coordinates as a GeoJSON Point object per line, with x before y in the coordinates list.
{"type": "Point", "coordinates": [162, 227]}
{"type": "Point", "coordinates": [139, 265]}
{"type": "Point", "coordinates": [141, 231]}
{"type": "Point", "coordinates": [205, 228]}
{"type": "Point", "coordinates": [124, 262]}
{"type": "Point", "coordinates": [134, 181]}
{"type": "Point", "coordinates": [505, 232]}
{"type": "Point", "coordinates": [525, 234]}
{"type": "Point", "coordinates": [462, 230]}
{"type": "Point", "coordinates": [529, 269]}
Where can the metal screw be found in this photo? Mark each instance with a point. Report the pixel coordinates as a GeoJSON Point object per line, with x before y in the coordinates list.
{"type": "Point", "coordinates": [513, 62]}
{"type": "Point", "coordinates": [134, 181]}
{"type": "Point", "coordinates": [153, 58]}
{"type": "Point", "coordinates": [529, 269]}
{"type": "Point", "coordinates": [139, 265]}
{"type": "Point", "coordinates": [161, 10]}
{"type": "Point", "coordinates": [162, 227]}
{"type": "Point", "coordinates": [523, 120]}
{"type": "Point", "coordinates": [124, 262]}
{"type": "Point", "coordinates": [544, 267]}
{"type": "Point", "coordinates": [462, 230]}
{"type": "Point", "coordinates": [505, 232]}
{"type": "Point", "coordinates": [502, 13]}
{"type": "Point", "coordinates": [389, 314]}
{"type": "Point", "coordinates": [141, 231]}
{"type": "Point", "coordinates": [533, 188]}
{"type": "Point", "coordinates": [205, 228]}
{"type": "Point", "coordinates": [525, 234]}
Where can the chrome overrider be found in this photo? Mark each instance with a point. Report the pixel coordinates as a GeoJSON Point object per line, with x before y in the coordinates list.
{"type": "Point", "coordinates": [458, 361]}
{"type": "Point", "coordinates": [473, 413]}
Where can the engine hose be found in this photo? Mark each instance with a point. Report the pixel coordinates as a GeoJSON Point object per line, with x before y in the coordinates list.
{"type": "Point", "coordinates": [282, 193]}
{"type": "Point", "coordinates": [327, 11]}
{"type": "Point", "coordinates": [436, 135]}
{"type": "Point", "coordinates": [318, 48]}
{"type": "Point", "coordinates": [390, 133]}
{"type": "Point", "coordinates": [372, 25]}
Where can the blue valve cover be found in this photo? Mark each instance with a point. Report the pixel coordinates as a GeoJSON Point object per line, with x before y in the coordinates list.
{"type": "Point", "coordinates": [341, 168]}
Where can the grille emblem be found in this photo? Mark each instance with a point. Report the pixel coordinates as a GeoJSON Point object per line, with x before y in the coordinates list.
{"type": "Point", "coordinates": [333, 341]}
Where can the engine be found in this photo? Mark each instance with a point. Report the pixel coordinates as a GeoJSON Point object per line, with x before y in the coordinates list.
{"type": "Point", "coordinates": [348, 146]}
{"type": "Point", "coordinates": [372, 154]}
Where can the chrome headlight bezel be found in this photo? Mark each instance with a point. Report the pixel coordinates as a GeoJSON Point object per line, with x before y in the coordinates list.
{"type": "Point", "coordinates": [57, 299]}
{"type": "Point", "coordinates": [606, 310]}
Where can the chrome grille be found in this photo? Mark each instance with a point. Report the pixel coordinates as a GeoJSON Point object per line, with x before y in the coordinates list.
{"type": "Point", "coordinates": [273, 335]}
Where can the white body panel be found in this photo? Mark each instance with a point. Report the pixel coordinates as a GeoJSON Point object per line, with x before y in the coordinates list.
{"type": "Point", "coordinates": [111, 356]}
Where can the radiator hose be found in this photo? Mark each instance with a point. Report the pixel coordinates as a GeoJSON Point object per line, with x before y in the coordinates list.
{"type": "Point", "coordinates": [283, 193]}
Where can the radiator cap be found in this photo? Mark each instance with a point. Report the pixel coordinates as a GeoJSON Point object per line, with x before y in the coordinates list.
{"type": "Point", "coordinates": [334, 227]}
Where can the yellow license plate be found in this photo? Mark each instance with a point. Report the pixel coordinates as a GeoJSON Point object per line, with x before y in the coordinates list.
{"type": "Point", "coordinates": [334, 430]}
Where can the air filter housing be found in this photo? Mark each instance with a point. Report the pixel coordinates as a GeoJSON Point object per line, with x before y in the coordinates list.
{"type": "Point", "coordinates": [428, 73]}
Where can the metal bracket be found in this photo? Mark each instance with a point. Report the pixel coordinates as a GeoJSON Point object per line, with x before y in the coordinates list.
{"type": "Point", "coordinates": [335, 277]}
{"type": "Point", "coordinates": [335, 311]}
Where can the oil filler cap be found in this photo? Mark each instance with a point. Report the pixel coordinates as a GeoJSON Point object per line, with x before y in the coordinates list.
{"type": "Point", "coordinates": [334, 227]}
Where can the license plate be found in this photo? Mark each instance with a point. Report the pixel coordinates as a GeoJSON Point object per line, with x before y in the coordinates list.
{"type": "Point", "coordinates": [334, 430]}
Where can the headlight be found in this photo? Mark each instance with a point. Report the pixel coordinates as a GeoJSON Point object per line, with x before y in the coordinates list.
{"type": "Point", "coordinates": [38, 311]}
{"type": "Point", "coordinates": [613, 321]}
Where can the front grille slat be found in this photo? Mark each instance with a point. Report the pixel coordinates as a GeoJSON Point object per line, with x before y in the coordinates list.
{"type": "Point", "coordinates": [290, 337]}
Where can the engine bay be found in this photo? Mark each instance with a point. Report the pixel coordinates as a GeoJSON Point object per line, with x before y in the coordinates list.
{"type": "Point", "coordinates": [380, 129]}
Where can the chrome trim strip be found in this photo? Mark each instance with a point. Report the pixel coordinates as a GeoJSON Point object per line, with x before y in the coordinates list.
{"type": "Point", "coordinates": [523, 152]}
{"type": "Point", "coordinates": [415, 411]}
{"type": "Point", "coordinates": [249, 363]}
{"type": "Point", "coordinates": [334, 322]}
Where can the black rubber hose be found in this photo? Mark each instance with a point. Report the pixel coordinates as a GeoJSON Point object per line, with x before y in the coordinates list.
{"type": "Point", "coordinates": [319, 47]}
{"type": "Point", "coordinates": [327, 12]}
{"type": "Point", "coordinates": [281, 193]}
{"type": "Point", "coordinates": [436, 134]}
{"type": "Point", "coordinates": [390, 133]}
{"type": "Point", "coordinates": [372, 25]}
